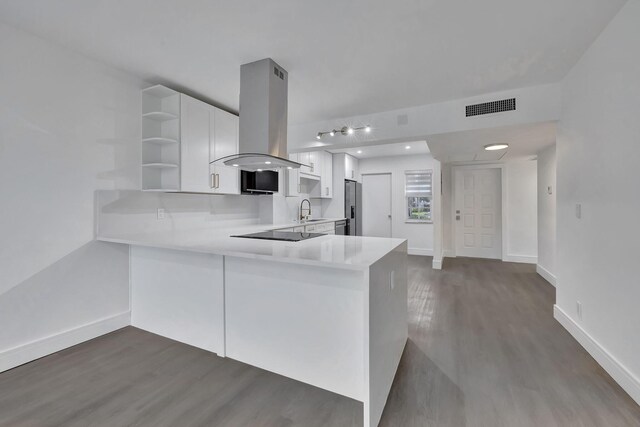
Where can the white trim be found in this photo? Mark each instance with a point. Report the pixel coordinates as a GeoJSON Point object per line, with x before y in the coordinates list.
{"type": "Point", "coordinates": [436, 264]}
{"type": "Point", "coordinates": [449, 253]}
{"type": "Point", "coordinates": [525, 259]}
{"type": "Point", "coordinates": [622, 375]}
{"type": "Point", "coordinates": [546, 274]}
{"type": "Point", "coordinates": [33, 350]}
{"type": "Point", "coordinates": [503, 196]}
{"type": "Point", "coordinates": [420, 251]}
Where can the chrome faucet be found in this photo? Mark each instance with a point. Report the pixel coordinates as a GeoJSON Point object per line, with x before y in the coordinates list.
{"type": "Point", "coordinates": [305, 217]}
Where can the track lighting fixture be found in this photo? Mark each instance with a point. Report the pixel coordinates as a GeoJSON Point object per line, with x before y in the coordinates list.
{"type": "Point", "coordinates": [345, 130]}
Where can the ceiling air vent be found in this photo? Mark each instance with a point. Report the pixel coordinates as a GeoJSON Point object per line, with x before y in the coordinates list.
{"type": "Point", "coordinates": [491, 107]}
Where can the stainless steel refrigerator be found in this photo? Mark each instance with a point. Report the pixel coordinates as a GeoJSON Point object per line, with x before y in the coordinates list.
{"type": "Point", "coordinates": [353, 207]}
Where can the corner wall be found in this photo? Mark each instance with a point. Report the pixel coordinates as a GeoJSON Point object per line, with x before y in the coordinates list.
{"type": "Point", "coordinates": [598, 153]}
{"type": "Point", "coordinates": [547, 214]}
{"type": "Point", "coordinates": [68, 127]}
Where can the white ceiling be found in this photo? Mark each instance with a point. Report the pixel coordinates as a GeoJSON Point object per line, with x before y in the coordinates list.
{"type": "Point", "coordinates": [344, 58]}
{"type": "Point", "coordinates": [524, 141]}
{"type": "Point", "coordinates": [386, 150]}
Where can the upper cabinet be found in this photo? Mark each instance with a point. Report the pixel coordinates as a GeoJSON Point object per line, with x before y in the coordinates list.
{"type": "Point", "coordinates": [224, 142]}
{"type": "Point", "coordinates": [326, 180]}
{"type": "Point", "coordinates": [181, 136]}
{"type": "Point", "coordinates": [317, 175]}
{"type": "Point", "coordinates": [351, 169]}
{"type": "Point", "coordinates": [160, 152]}
{"type": "Point", "coordinates": [292, 187]}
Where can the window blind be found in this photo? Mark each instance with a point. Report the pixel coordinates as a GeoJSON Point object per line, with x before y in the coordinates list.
{"type": "Point", "coordinates": [418, 184]}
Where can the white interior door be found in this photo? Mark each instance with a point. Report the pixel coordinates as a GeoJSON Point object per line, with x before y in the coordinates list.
{"type": "Point", "coordinates": [376, 205]}
{"type": "Point", "coordinates": [478, 213]}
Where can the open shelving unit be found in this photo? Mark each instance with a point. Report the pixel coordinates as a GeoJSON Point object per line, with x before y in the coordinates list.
{"type": "Point", "coordinates": [160, 139]}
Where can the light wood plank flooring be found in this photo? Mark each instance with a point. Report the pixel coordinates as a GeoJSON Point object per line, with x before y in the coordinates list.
{"type": "Point", "coordinates": [483, 350]}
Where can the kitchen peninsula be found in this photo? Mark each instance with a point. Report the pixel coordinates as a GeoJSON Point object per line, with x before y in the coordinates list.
{"type": "Point", "coordinates": [329, 311]}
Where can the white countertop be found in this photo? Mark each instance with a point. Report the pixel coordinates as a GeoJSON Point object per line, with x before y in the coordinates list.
{"type": "Point", "coordinates": [345, 252]}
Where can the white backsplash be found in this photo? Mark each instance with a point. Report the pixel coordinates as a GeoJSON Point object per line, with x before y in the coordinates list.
{"type": "Point", "coordinates": [130, 211]}
{"type": "Point", "coordinates": [136, 211]}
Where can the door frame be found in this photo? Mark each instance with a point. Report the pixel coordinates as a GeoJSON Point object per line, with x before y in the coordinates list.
{"type": "Point", "coordinates": [503, 196]}
{"type": "Point", "coordinates": [390, 194]}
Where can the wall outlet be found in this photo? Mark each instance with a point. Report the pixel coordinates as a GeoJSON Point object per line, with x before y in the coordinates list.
{"type": "Point", "coordinates": [578, 210]}
{"type": "Point", "coordinates": [579, 309]}
{"type": "Point", "coordinates": [160, 213]}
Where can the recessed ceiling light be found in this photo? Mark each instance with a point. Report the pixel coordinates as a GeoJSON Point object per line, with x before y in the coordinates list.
{"type": "Point", "coordinates": [259, 170]}
{"type": "Point", "coordinates": [493, 147]}
{"type": "Point", "coordinates": [367, 129]}
{"type": "Point", "coordinates": [267, 162]}
{"type": "Point", "coordinates": [408, 147]}
{"type": "Point", "coordinates": [235, 166]}
{"type": "Point", "coordinates": [359, 151]}
{"type": "Point", "coordinates": [289, 167]}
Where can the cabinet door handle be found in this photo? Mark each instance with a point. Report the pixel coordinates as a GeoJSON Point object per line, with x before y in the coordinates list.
{"type": "Point", "coordinates": [299, 188]}
{"type": "Point", "coordinates": [327, 191]}
{"type": "Point", "coordinates": [312, 167]}
{"type": "Point", "coordinates": [217, 181]}
{"type": "Point", "coordinates": [212, 180]}
{"type": "Point", "coordinates": [352, 173]}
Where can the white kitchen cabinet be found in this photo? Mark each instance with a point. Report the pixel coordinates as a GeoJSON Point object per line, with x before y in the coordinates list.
{"type": "Point", "coordinates": [326, 179]}
{"type": "Point", "coordinates": [319, 169]}
{"type": "Point", "coordinates": [180, 137]}
{"type": "Point", "coordinates": [195, 147]}
{"type": "Point", "coordinates": [224, 142]}
{"type": "Point", "coordinates": [292, 182]}
{"type": "Point", "coordinates": [351, 169]}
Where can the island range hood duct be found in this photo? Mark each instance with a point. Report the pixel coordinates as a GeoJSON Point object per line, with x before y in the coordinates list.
{"type": "Point", "coordinates": [263, 119]}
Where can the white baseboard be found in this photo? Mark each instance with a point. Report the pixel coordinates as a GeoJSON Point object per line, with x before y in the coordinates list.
{"type": "Point", "coordinates": [420, 251]}
{"type": "Point", "coordinates": [525, 259]}
{"type": "Point", "coordinates": [436, 264]}
{"type": "Point", "coordinates": [22, 354]}
{"type": "Point", "coordinates": [618, 371]}
{"type": "Point", "coordinates": [546, 274]}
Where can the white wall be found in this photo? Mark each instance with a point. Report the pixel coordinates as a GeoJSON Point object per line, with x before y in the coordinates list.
{"type": "Point", "coordinates": [547, 214]}
{"type": "Point", "coordinates": [535, 104]}
{"type": "Point", "coordinates": [130, 211]}
{"type": "Point", "coordinates": [419, 235]}
{"type": "Point", "coordinates": [598, 153]}
{"type": "Point", "coordinates": [520, 211]}
{"type": "Point", "coordinates": [68, 126]}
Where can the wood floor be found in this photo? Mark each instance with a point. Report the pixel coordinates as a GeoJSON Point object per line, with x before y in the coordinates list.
{"type": "Point", "coordinates": [483, 350]}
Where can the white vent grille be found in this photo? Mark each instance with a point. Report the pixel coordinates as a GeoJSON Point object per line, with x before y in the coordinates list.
{"type": "Point", "coordinates": [491, 107]}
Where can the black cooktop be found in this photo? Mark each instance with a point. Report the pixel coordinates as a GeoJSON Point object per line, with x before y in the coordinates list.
{"type": "Point", "coordinates": [287, 236]}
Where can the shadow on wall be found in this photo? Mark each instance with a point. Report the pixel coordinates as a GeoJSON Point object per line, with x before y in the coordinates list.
{"type": "Point", "coordinates": [89, 284]}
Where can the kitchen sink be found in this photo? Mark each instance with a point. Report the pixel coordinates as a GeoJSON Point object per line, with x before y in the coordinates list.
{"type": "Point", "coordinates": [313, 220]}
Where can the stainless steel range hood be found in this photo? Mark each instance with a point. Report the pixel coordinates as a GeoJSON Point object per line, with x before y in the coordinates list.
{"type": "Point", "coordinates": [263, 118]}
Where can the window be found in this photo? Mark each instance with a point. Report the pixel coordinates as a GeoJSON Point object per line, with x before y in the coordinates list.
{"type": "Point", "coordinates": [418, 196]}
